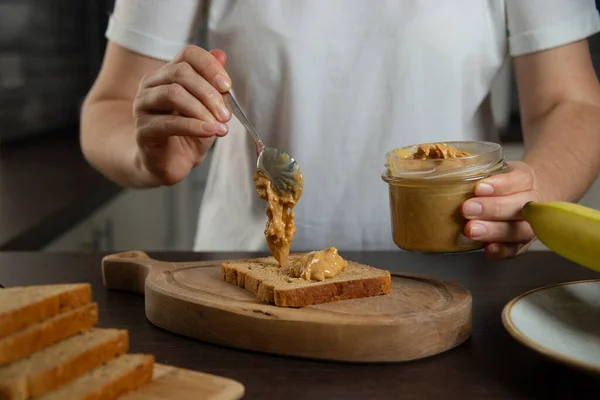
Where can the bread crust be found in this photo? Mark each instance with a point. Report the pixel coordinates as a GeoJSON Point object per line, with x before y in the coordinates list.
{"type": "Point", "coordinates": [38, 336]}
{"type": "Point", "coordinates": [43, 307]}
{"type": "Point", "coordinates": [112, 388]}
{"type": "Point", "coordinates": [318, 293]}
{"type": "Point", "coordinates": [51, 350]}
{"type": "Point", "coordinates": [38, 383]}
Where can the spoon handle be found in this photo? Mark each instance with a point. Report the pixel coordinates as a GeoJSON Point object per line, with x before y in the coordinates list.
{"type": "Point", "coordinates": [237, 111]}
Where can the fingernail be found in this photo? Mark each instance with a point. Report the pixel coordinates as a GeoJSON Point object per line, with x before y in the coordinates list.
{"type": "Point", "coordinates": [472, 208]}
{"type": "Point", "coordinates": [223, 112]}
{"type": "Point", "coordinates": [484, 189]}
{"type": "Point", "coordinates": [477, 231]}
{"type": "Point", "coordinates": [222, 128]}
{"type": "Point", "coordinates": [222, 83]}
{"type": "Point", "coordinates": [209, 128]}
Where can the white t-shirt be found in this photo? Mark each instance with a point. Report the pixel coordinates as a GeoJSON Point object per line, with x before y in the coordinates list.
{"type": "Point", "coordinates": [337, 84]}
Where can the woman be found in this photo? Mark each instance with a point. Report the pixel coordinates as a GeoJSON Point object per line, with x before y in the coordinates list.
{"type": "Point", "coordinates": [337, 84]}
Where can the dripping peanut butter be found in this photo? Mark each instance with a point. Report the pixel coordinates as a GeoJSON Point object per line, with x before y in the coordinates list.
{"type": "Point", "coordinates": [280, 228]}
{"type": "Point", "coordinates": [318, 265]}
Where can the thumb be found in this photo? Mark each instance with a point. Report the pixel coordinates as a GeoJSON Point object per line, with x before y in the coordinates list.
{"type": "Point", "coordinates": [518, 179]}
{"type": "Point", "coordinates": [219, 55]}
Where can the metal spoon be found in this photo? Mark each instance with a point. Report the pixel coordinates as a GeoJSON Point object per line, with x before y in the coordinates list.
{"type": "Point", "coordinates": [281, 168]}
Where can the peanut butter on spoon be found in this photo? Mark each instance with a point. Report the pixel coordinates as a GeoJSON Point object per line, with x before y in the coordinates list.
{"type": "Point", "coordinates": [280, 183]}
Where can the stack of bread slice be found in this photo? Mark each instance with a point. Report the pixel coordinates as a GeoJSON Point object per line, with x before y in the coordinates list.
{"type": "Point", "coordinates": [50, 348]}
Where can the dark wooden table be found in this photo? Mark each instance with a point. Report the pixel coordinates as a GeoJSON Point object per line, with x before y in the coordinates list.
{"type": "Point", "coordinates": [46, 187]}
{"type": "Point", "coordinates": [491, 365]}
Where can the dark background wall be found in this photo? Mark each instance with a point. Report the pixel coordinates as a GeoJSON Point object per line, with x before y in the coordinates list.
{"type": "Point", "coordinates": [50, 52]}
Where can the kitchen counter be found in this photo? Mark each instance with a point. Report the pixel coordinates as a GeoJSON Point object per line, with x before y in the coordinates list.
{"type": "Point", "coordinates": [46, 187]}
{"type": "Point", "coordinates": [491, 364]}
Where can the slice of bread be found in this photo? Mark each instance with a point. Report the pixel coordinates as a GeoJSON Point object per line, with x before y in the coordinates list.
{"type": "Point", "coordinates": [57, 364]}
{"type": "Point", "coordinates": [268, 282]}
{"type": "Point", "coordinates": [38, 336]}
{"type": "Point", "coordinates": [108, 381]}
{"type": "Point", "coordinates": [21, 307]}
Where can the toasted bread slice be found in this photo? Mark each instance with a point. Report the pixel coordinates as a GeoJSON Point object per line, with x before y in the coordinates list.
{"type": "Point", "coordinates": [21, 307]}
{"type": "Point", "coordinates": [108, 381]}
{"type": "Point", "coordinates": [38, 336]}
{"type": "Point", "coordinates": [268, 282]}
{"type": "Point", "coordinates": [58, 364]}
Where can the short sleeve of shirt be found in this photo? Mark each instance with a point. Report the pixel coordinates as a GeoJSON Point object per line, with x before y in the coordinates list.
{"type": "Point", "coordinates": [535, 25]}
{"type": "Point", "coordinates": [155, 28]}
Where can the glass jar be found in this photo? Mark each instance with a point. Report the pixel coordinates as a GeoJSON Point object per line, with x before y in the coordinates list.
{"type": "Point", "coordinates": [426, 196]}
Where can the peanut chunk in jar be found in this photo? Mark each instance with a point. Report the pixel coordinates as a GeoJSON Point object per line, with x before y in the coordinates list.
{"type": "Point", "coordinates": [437, 151]}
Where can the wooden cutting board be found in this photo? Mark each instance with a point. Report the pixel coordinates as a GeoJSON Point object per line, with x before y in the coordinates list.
{"type": "Point", "coordinates": [422, 316]}
{"type": "Point", "coordinates": [172, 383]}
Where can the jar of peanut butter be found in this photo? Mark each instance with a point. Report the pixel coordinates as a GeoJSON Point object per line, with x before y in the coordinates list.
{"type": "Point", "coordinates": [428, 184]}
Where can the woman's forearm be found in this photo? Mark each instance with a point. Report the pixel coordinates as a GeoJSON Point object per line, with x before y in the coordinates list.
{"type": "Point", "coordinates": [108, 142]}
{"type": "Point", "coordinates": [563, 148]}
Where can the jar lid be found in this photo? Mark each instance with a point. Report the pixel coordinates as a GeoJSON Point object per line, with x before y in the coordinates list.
{"type": "Point", "coordinates": [482, 157]}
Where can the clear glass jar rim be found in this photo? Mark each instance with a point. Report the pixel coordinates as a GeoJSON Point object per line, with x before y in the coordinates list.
{"type": "Point", "coordinates": [484, 155]}
{"type": "Point", "coordinates": [499, 168]}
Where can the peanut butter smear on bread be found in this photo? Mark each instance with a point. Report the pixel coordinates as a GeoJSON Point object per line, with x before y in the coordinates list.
{"type": "Point", "coordinates": [280, 228]}
{"type": "Point", "coordinates": [437, 151]}
{"type": "Point", "coordinates": [318, 265]}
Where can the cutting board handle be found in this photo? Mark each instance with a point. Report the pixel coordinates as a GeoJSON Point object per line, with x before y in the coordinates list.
{"type": "Point", "coordinates": [128, 270]}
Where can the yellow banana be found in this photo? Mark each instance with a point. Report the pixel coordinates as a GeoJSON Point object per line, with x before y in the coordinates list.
{"type": "Point", "coordinates": [569, 229]}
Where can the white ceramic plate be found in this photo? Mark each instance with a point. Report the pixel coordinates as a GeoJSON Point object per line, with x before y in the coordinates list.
{"type": "Point", "coordinates": [560, 321]}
